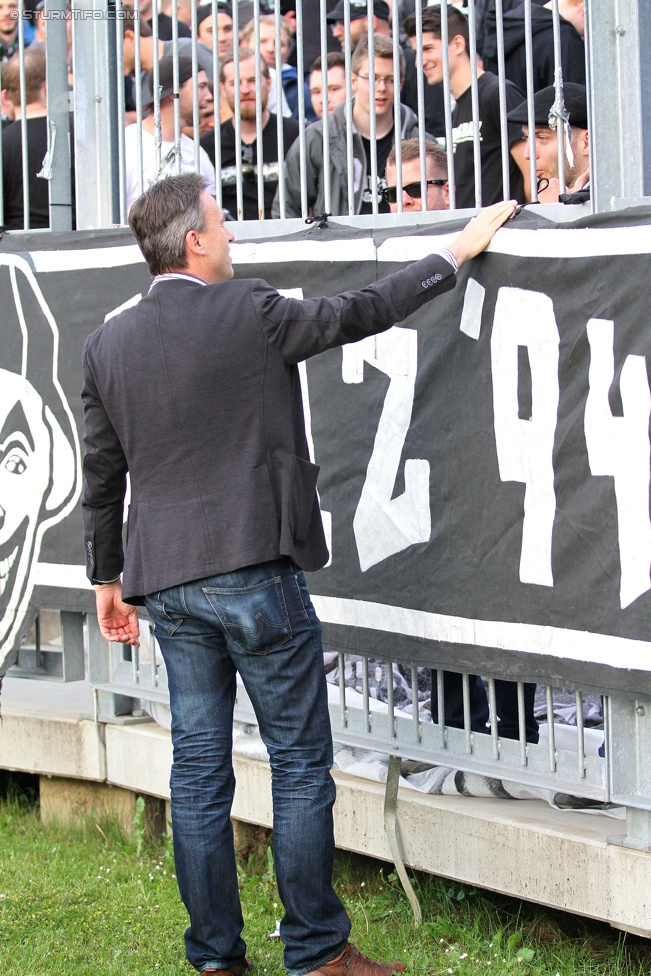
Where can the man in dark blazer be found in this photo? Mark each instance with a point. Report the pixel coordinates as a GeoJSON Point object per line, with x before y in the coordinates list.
{"type": "Point", "coordinates": [223, 518]}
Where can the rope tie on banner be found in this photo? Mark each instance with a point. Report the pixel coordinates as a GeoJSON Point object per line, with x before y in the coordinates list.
{"type": "Point", "coordinates": [46, 171]}
{"type": "Point", "coordinates": [581, 196]}
{"type": "Point", "coordinates": [321, 219]}
{"type": "Point", "coordinates": [558, 113]}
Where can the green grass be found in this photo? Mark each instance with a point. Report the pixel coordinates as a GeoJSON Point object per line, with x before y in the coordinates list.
{"type": "Point", "coordinates": [91, 901]}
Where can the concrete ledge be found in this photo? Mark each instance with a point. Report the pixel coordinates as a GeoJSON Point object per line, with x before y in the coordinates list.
{"type": "Point", "coordinates": [139, 757]}
{"type": "Point", "coordinates": [42, 730]}
{"type": "Point", "coordinates": [520, 848]}
{"type": "Point", "coordinates": [55, 745]}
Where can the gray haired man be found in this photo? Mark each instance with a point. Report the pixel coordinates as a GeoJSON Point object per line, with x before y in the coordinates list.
{"type": "Point", "coordinates": [224, 518]}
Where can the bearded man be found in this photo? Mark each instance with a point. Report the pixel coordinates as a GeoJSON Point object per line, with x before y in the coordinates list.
{"type": "Point", "coordinates": [248, 147]}
{"type": "Point", "coordinates": [543, 141]}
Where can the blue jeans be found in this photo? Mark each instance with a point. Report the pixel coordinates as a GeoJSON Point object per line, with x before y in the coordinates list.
{"type": "Point", "coordinates": [260, 622]}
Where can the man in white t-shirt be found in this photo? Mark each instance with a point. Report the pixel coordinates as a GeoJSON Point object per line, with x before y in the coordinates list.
{"type": "Point", "coordinates": [152, 170]}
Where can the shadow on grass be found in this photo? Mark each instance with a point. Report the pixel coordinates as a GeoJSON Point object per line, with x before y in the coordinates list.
{"type": "Point", "coordinates": [19, 789]}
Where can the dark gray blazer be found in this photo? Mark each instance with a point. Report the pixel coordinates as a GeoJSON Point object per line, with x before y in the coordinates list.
{"type": "Point", "coordinates": [195, 392]}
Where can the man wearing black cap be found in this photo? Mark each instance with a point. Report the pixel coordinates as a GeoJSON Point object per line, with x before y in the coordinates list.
{"type": "Point", "coordinates": [359, 20]}
{"type": "Point", "coordinates": [154, 169]}
{"type": "Point", "coordinates": [206, 28]}
{"type": "Point", "coordinates": [165, 19]}
{"type": "Point", "coordinates": [148, 55]}
{"type": "Point", "coordinates": [577, 156]}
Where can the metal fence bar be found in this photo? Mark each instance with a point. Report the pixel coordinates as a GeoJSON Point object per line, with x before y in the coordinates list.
{"type": "Point", "coordinates": [155, 80]}
{"type": "Point", "coordinates": [176, 87]}
{"type": "Point", "coordinates": [522, 725]}
{"type": "Point", "coordinates": [580, 737]}
{"type": "Point", "coordinates": [350, 165]}
{"type": "Point", "coordinates": [397, 105]}
{"type": "Point", "coordinates": [342, 687]}
{"type": "Point", "coordinates": [258, 108]}
{"type": "Point", "coordinates": [474, 92]}
{"type": "Point", "coordinates": [216, 104]}
{"type": "Point", "coordinates": [300, 67]}
{"type": "Point", "coordinates": [365, 695]}
{"type": "Point", "coordinates": [58, 167]}
{"type": "Point", "coordinates": [562, 131]}
{"type": "Point", "coordinates": [280, 136]}
{"type": "Point", "coordinates": [121, 110]}
{"type": "Point", "coordinates": [440, 704]}
{"type": "Point", "coordinates": [72, 644]}
{"type": "Point", "coordinates": [371, 101]}
{"type": "Point", "coordinates": [420, 93]}
{"type": "Point", "coordinates": [135, 664]}
{"type": "Point", "coordinates": [195, 88]}
{"type": "Point", "coordinates": [528, 44]}
{"type": "Point", "coordinates": [414, 703]}
{"type": "Point", "coordinates": [447, 108]}
{"type": "Point", "coordinates": [492, 705]}
{"type": "Point", "coordinates": [24, 138]}
{"type": "Point", "coordinates": [550, 729]}
{"type": "Point", "coordinates": [153, 664]}
{"type": "Point", "coordinates": [467, 719]}
{"type": "Point", "coordinates": [327, 205]}
{"type": "Point", "coordinates": [237, 116]}
{"type": "Point", "coordinates": [390, 705]}
{"type": "Point", "coordinates": [138, 93]}
{"type": "Point", "coordinates": [501, 77]}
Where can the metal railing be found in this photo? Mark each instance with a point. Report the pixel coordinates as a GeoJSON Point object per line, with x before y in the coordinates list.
{"type": "Point", "coordinates": [124, 677]}
{"type": "Point", "coordinates": [616, 34]}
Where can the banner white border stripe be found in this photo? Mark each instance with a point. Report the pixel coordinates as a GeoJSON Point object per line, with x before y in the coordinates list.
{"type": "Point", "coordinates": [95, 258]}
{"type": "Point", "coordinates": [586, 242]}
{"type": "Point", "coordinates": [543, 243]}
{"type": "Point", "coordinates": [576, 645]}
{"type": "Point", "coordinates": [250, 252]}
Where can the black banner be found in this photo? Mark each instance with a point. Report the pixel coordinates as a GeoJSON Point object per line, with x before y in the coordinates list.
{"type": "Point", "coordinates": [485, 465]}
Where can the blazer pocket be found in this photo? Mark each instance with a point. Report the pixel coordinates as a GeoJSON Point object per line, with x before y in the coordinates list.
{"type": "Point", "coordinates": [302, 498]}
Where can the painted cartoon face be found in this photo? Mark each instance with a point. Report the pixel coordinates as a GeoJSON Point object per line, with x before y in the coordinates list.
{"type": "Point", "coordinates": [39, 448]}
{"type": "Point", "coordinates": [25, 479]}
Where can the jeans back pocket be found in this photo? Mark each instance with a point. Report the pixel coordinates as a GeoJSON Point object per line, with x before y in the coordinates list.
{"type": "Point", "coordinates": [255, 617]}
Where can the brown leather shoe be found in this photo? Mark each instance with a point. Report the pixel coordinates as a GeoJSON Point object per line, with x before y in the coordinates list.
{"type": "Point", "coordinates": [237, 970]}
{"type": "Point", "coordinates": [351, 962]}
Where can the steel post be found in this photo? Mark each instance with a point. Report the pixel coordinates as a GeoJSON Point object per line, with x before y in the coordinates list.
{"type": "Point", "coordinates": [58, 116]}
{"type": "Point", "coordinates": [618, 34]}
{"type": "Point", "coordinates": [96, 178]}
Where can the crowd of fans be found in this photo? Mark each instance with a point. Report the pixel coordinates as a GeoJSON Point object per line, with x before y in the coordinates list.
{"type": "Point", "coordinates": [262, 88]}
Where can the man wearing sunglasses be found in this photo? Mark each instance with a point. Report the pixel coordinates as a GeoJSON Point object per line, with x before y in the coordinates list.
{"type": "Point", "coordinates": [436, 171]}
